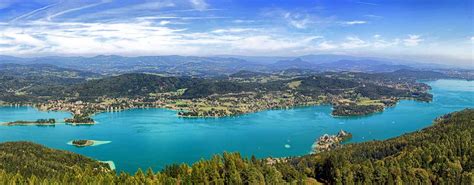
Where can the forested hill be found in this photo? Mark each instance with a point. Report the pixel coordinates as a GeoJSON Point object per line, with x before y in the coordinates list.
{"type": "Point", "coordinates": [29, 159]}
{"type": "Point", "coordinates": [134, 84]}
{"type": "Point", "coordinates": [440, 154]}
{"type": "Point", "coordinates": [43, 71]}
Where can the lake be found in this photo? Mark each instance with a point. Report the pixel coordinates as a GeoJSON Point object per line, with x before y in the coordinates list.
{"type": "Point", "coordinates": [142, 138]}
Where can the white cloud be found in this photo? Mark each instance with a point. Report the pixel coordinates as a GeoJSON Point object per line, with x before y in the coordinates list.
{"type": "Point", "coordinates": [371, 16]}
{"type": "Point", "coordinates": [354, 42]}
{"type": "Point", "coordinates": [134, 11]}
{"type": "Point", "coordinates": [77, 9]}
{"type": "Point", "coordinates": [355, 22]}
{"type": "Point", "coordinates": [472, 39]}
{"type": "Point", "coordinates": [141, 38]}
{"type": "Point", "coordinates": [297, 20]}
{"type": "Point", "coordinates": [164, 22]}
{"type": "Point", "coordinates": [412, 40]}
{"type": "Point", "coordinates": [233, 30]}
{"type": "Point", "coordinates": [147, 37]}
{"type": "Point", "coordinates": [325, 45]}
{"type": "Point", "coordinates": [381, 43]}
{"type": "Point", "coordinates": [240, 21]}
{"type": "Point", "coordinates": [33, 12]}
{"type": "Point", "coordinates": [366, 3]}
{"type": "Point", "coordinates": [199, 4]}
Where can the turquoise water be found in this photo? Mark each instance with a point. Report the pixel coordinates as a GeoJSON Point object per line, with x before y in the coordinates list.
{"type": "Point", "coordinates": [157, 137]}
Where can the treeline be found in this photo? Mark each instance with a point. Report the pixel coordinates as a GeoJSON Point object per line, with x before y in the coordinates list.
{"type": "Point", "coordinates": [441, 154]}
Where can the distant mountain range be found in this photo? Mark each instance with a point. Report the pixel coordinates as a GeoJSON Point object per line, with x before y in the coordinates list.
{"type": "Point", "coordinates": [174, 65]}
{"type": "Point", "coordinates": [42, 70]}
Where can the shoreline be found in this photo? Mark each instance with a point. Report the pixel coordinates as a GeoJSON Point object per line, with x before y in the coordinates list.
{"type": "Point", "coordinates": [218, 117]}
{"type": "Point", "coordinates": [179, 110]}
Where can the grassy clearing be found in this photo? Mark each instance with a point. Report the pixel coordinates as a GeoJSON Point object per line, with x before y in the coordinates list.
{"type": "Point", "coordinates": [294, 84]}
{"type": "Point", "coordinates": [367, 101]}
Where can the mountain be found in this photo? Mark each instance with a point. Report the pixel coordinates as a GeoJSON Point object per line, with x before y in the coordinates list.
{"type": "Point", "coordinates": [440, 154]}
{"type": "Point", "coordinates": [320, 59]}
{"type": "Point", "coordinates": [26, 79]}
{"type": "Point", "coordinates": [297, 63]}
{"type": "Point", "coordinates": [42, 70]}
{"type": "Point", "coordinates": [361, 66]}
{"type": "Point", "coordinates": [174, 65]}
{"type": "Point", "coordinates": [248, 74]}
{"type": "Point", "coordinates": [170, 65]}
{"type": "Point", "coordinates": [266, 60]}
{"type": "Point", "coordinates": [313, 63]}
{"type": "Point", "coordinates": [417, 74]}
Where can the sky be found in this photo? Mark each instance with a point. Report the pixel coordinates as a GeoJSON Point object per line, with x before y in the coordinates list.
{"type": "Point", "coordinates": [436, 29]}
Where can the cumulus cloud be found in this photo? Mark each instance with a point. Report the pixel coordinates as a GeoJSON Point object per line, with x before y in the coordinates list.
{"type": "Point", "coordinates": [137, 38]}
{"type": "Point", "coordinates": [412, 40]}
{"type": "Point", "coordinates": [146, 37]}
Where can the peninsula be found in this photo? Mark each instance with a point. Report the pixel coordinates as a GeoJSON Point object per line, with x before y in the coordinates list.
{"type": "Point", "coordinates": [330, 142]}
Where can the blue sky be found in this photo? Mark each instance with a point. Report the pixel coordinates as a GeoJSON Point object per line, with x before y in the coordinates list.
{"type": "Point", "coordinates": [442, 29]}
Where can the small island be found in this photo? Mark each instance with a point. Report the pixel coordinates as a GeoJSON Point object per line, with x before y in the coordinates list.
{"type": "Point", "coordinates": [356, 110]}
{"type": "Point", "coordinates": [82, 143]}
{"type": "Point", "coordinates": [79, 119]}
{"type": "Point", "coordinates": [39, 122]}
{"type": "Point", "coordinates": [87, 142]}
{"type": "Point", "coordinates": [329, 142]}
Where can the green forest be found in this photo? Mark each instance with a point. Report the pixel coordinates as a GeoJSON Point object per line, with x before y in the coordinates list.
{"type": "Point", "coordinates": [440, 154]}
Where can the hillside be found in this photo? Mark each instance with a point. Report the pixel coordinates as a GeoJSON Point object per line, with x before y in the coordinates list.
{"type": "Point", "coordinates": [42, 71]}
{"type": "Point", "coordinates": [440, 154]}
{"type": "Point", "coordinates": [20, 82]}
{"type": "Point", "coordinates": [131, 85]}
{"type": "Point", "coordinates": [32, 159]}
